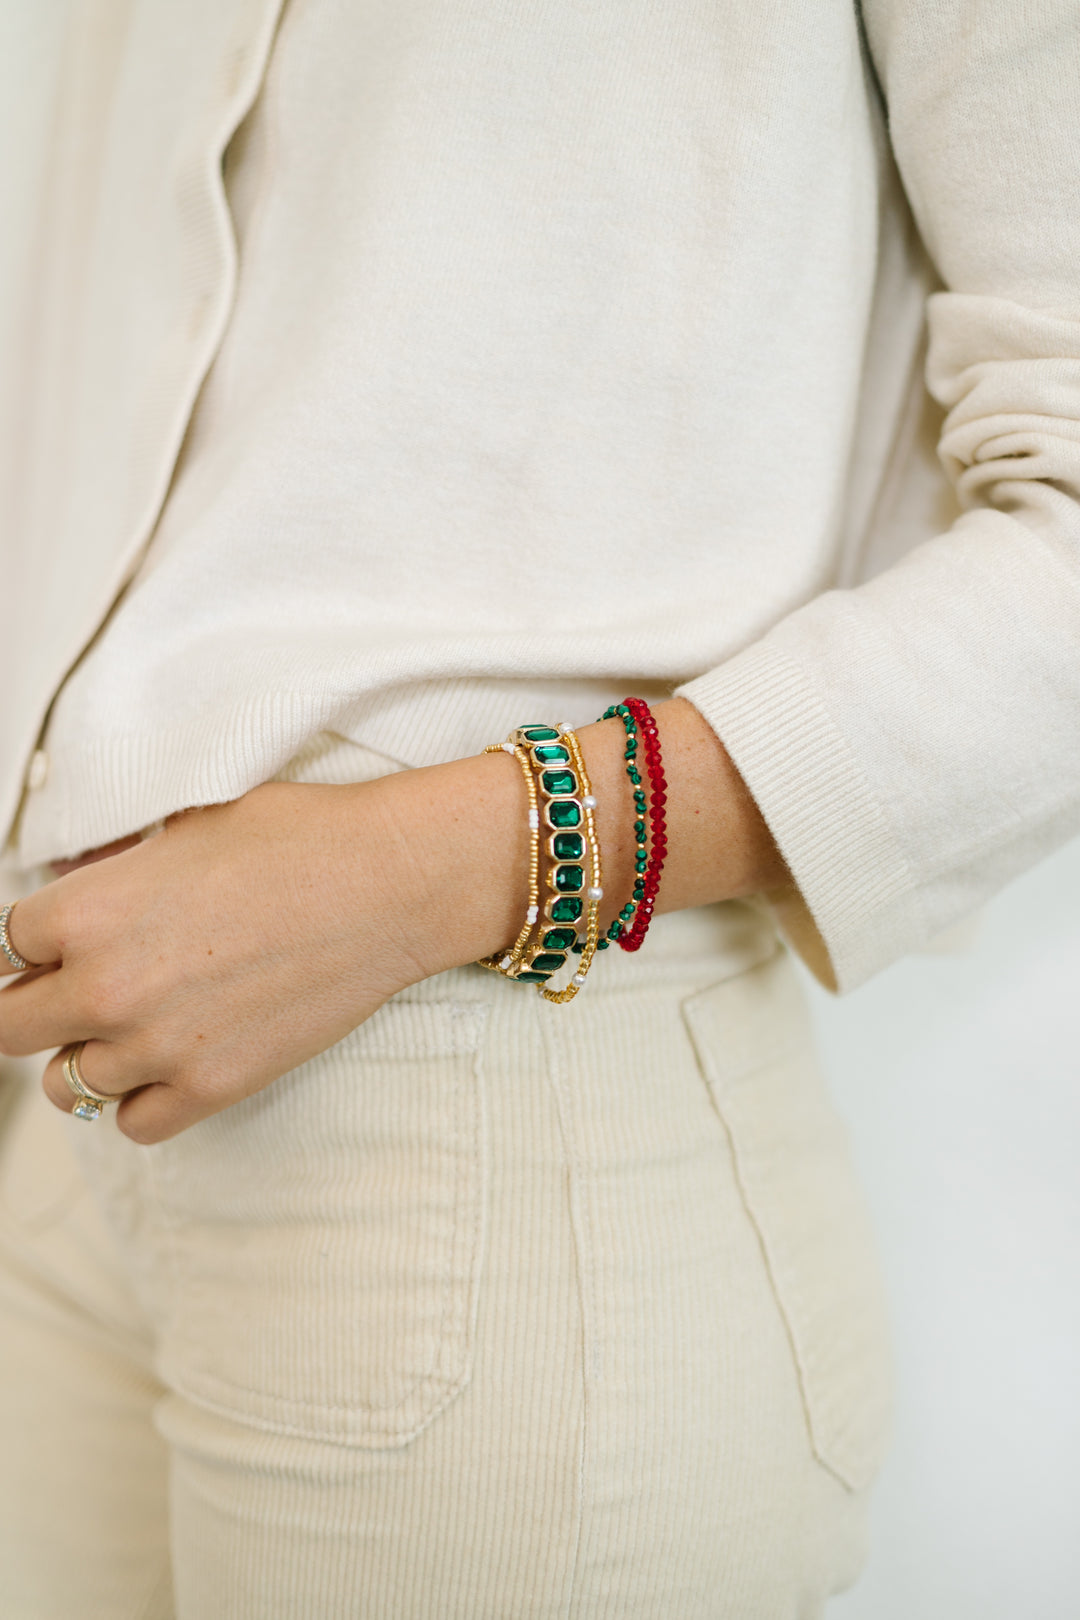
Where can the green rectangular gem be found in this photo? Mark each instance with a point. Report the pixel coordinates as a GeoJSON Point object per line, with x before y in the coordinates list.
{"type": "Point", "coordinates": [564, 813]}
{"type": "Point", "coordinates": [548, 961]}
{"type": "Point", "coordinates": [540, 733]}
{"type": "Point", "coordinates": [559, 939]}
{"type": "Point", "coordinates": [566, 910]}
{"type": "Point", "coordinates": [551, 754]}
{"type": "Point", "coordinates": [559, 782]}
{"type": "Point", "coordinates": [534, 978]}
{"type": "Point", "coordinates": [569, 879]}
{"type": "Point", "coordinates": [568, 846]}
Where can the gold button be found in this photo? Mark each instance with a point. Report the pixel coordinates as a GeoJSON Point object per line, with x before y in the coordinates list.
{"type": "Point", "coordinates": [38, 773]}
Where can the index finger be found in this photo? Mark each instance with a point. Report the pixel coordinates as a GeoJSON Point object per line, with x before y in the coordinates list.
{"type": "Point", "coordinates": [21, 947]}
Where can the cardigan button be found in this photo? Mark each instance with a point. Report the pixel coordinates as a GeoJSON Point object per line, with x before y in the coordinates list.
{"type": "Point", "coordinates": [38, 774]}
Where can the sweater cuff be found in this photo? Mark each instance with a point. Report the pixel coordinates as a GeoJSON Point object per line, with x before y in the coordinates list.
{"type": "Point", "coordinates": [852, 907]}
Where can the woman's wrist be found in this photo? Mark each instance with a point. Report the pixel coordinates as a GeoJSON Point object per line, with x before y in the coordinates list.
{"type": "Point", "coordinates": [457, 836]}
{"type": "Point", "coordinates": [195, 968]}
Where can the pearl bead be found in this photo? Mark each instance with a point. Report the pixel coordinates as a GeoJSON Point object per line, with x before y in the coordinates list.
{"type": "Point", "coordinates": [596, 894]}
{"type": "Point", "coordinates": [589, 801]}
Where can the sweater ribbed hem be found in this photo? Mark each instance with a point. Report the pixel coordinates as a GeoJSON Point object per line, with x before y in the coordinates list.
{"type": "Point", "coordinates": [853, 907]}
{"type": "Point", "coordinates": [113, 785]}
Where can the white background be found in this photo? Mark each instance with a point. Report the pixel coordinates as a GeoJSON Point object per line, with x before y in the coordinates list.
{"type": "Point", "coordinates": [958, 1077]}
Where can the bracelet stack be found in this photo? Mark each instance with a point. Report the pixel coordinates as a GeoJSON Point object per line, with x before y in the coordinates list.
{"type": "Point", "coordinates": [562, 913]}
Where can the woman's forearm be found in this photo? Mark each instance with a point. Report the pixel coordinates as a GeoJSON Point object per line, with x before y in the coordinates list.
{"type": "Point", "coordinates": [197, 967]}
{"type": "Point", "coordinates": [460, 832]}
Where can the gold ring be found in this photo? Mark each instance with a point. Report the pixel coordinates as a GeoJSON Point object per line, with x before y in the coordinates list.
{"type": "Point", "coordinates": [89, 1104]}
{"type": "Point", "coordinates": [6, 946]}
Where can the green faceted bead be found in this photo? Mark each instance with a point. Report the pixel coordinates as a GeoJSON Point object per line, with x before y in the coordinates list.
{"type": "Point", "coordinates": [540, 733]}
{"type": "Point", "coordinates": [564, 813]}
{"type": "Point", "coordinates": [569, 879]}
{"type": "Point", "coordinates": [566, 910]}
{"type": "Point", "coordinates": [548, 961]}
{"type": "Point", "coordinates": [559, 782]}
{"type": "Point", "coordinates": [568, 846]}
{"type": "Point", "coordinates": [559, 939]}
{"type": "Point", "coordinates": [551, 754]}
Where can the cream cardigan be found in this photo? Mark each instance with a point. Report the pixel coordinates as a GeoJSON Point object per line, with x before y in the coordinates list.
{"type": "Point", "coordinates": [531, 354]}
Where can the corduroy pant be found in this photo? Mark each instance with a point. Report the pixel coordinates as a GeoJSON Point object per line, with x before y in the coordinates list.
{"type": "Point", "coordinates": [496, 1309]}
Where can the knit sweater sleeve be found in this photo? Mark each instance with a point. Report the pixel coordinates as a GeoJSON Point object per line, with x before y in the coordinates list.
{"type": "Point", "coordinates": [914, 743]}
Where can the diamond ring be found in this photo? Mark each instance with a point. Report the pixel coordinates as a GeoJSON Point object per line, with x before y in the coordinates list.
{"type": "Point", "coordinates": [89, 1104]}
{"type": "Point", "coordinates": [6, 946]}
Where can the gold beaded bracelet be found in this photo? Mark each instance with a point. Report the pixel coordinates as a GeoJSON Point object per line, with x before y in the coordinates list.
{"type": "Point", "coordinates": [508, 960]}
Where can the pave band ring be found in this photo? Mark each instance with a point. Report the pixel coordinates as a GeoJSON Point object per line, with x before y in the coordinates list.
{"type": "Point", "coordinates": [89, 1104]}
{"type": "Point", "coordinates": [6, 946]}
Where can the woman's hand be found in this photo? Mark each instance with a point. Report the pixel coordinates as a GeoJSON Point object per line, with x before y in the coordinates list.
{"type": "Point", "coordinates": [201, 964]}
{"type": "Point", "coordinates": [245, 938]}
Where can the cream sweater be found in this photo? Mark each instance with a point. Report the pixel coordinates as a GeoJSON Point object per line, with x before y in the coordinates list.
{"type": "Point", "coordinates": [528, 355]}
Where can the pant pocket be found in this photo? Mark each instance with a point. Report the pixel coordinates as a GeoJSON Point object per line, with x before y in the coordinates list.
{"type": "Point", "coordinates": [39, 1177]}
{"type": "Point", "coordinates": [323, 1239]}
{"type": "Point", "coordinates": [754, 1047]}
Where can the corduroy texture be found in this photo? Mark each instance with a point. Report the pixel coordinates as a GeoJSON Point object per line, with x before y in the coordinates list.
{"type": "Point", "coordinates": [493, 1310]}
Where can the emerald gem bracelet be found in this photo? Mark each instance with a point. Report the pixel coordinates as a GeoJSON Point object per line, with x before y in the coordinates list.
{"type": "Point", "coordinates": [596, 885]}
{"type": "Point", "coordinates": [564, 820]}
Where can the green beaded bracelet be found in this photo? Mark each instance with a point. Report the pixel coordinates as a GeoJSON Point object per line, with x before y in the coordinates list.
{"type": "Point", "coordinates": [641, 859]}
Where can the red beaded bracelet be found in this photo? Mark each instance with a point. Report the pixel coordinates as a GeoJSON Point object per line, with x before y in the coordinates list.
{"type": "Point", "coordinates": [632, 939]}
